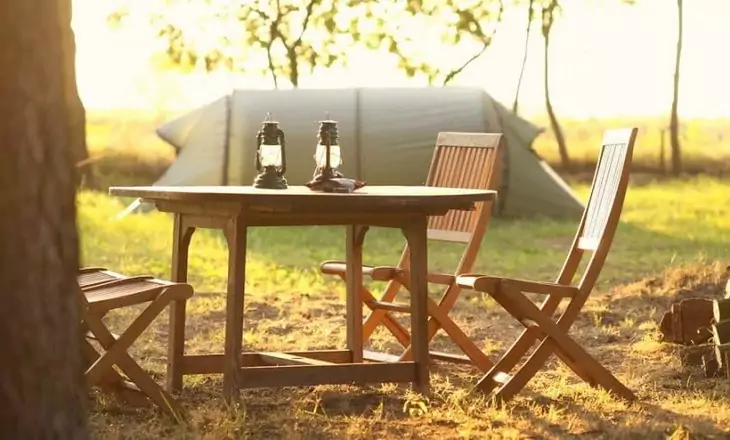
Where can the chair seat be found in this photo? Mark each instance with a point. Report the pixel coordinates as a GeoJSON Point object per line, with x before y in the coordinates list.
{"type": "Point", "coordinates": [488, 284]}
{"type": "Point", "coordinates": [109, 290]}
{"type": "Point", "coordinates": [377, 273]}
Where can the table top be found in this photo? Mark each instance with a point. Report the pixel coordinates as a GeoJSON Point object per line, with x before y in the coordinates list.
{"type": "Point", "coordinates": [394, 196]}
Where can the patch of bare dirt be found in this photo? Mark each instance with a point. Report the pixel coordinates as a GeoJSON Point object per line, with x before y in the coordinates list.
{"type": "Point", "coordinates": [675, 284]}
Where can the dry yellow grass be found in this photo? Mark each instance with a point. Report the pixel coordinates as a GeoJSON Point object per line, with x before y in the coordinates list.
{"type": "Point", "coordinates": [674, 243]}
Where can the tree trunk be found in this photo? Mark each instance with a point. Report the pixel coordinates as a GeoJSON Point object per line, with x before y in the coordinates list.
{"type": "Point", "coordinates": [76, 113]}
{"type": "Point", "coordinates": [530, 12]}
{"type": "Point", "coordinates": [674, 118]}
{"type": "Point", "coordinates": [554, 124]}
{"type": "Point", "coordinates": [42, 391]}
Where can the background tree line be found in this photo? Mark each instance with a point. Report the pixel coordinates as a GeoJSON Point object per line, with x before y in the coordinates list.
{"type": "Point", "coordinates": [285, 38]}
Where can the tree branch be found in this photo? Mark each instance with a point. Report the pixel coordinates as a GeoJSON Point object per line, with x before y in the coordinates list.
{"type": "Point", "coordinates": [273, 35]}
{"type": "Point", "coordinates": [530, 17]}
{"type": "Point", "coordinates": [305, 22]}
{"type": "Point", "coordinates": [271, 64]}
{"type": "Point", "coordinates": [486, 41]}
{"type": "Point", "coordinates": [459, 69]}
{"type": "Point", "coordinates": [275, 29]}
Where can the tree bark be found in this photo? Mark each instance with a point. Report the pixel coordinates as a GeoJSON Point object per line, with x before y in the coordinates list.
{"type": "Point", "coordinates": [42, 391]}
{"type": "Point", "coordinates": [674, 117]}
{"type": "Point", "coordinates": [530, 13]}
{"type": "Point", "coordinates": [76, 111]}
{"type": "Point", "coordinates": [547, 24]}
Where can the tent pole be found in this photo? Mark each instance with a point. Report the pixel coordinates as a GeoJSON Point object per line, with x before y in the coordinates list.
{"type": "Point", "coordinates": [227, 141]}
{"type": "Point", "coordinates": [504, 166]}
{"type": "Point", "coordinates": [358, 136]}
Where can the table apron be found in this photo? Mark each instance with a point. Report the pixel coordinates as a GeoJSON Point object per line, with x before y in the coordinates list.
{"type": "Point", "coordinates": [212, 221]}
{"type": "Point", "coordinates": [255, 215]}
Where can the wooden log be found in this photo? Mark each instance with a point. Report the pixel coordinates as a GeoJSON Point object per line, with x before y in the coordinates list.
{"type": "Point", "coordinates": [721, 309]}
{"type": "Point", "coordinates": [687, 322]}
{"type": "Point", "coordinates": [721, 332]}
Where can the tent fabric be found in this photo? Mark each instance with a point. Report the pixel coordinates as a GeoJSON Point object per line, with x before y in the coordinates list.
{"type": "Point", "coordinates": [387, 137]}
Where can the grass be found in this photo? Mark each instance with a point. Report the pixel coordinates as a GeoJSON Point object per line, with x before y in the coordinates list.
{"type": "Point", "coordinates": [674, 242]}
{"type": "Point", "coordinates": [705, 146]}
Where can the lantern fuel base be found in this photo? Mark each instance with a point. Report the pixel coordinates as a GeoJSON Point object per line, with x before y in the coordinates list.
{"type": "Point", "coordinates": [328, 157]}
{"type": "Point", "coordinates": [270, 156]}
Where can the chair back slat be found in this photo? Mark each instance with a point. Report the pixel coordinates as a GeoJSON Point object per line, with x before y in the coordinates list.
{"type": "Point", "coordinates": [462, 160]}
{"type": "Point", "coordinates": [599, 223]}
{"type": "Point", "coordinates": [605, 188]}
{"type": "Point", "coordinates": [603, 209]}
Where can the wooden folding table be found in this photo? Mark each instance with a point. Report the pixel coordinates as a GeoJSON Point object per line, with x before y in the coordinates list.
{"type": "Point", "coordinates": [233, 209]}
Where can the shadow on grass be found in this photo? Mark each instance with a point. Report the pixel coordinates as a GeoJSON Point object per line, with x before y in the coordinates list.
{"type": "Point", "coordinates": [355, 412]}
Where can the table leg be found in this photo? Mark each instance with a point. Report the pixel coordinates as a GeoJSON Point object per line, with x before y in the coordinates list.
{"type": "Point", "coordinates": [353, 301]}
{"type": "Point", "coordinates": [176, 326]}
{"type": "Point", "coordinates": [236, 232]}
{"type": "Point", "coordinates": [415, 234]}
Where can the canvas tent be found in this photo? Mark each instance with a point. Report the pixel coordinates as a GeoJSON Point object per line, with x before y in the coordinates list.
{"type": "Point", "coordinates": [387, 137]}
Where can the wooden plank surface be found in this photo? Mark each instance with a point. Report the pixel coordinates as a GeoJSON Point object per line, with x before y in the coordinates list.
{"type": "Point", "coordinates": [305, 375]}
{"type": "Point", "coordinates": [370, 196]}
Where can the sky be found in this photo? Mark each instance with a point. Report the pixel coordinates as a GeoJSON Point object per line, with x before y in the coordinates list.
{"type": "Point", "coordinates": [606, 60]}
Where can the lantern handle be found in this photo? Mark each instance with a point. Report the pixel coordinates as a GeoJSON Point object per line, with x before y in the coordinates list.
{"type": "Point", "coordinates": [282, 142]}
{"type": "Point", "coordinates": [259, 138]}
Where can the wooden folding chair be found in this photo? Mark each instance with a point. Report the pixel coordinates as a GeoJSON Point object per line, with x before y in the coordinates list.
{"type": "Point", "coordinates": [594, 236]}
{"type": "Point", "coordinates": [102, 291]}
{"type": "Point", "coordinates": [460, 160]}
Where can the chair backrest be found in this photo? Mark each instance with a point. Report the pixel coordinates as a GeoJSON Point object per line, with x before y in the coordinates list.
{"type": "Point", "coordinates": [602, 212]}
{"type": "Point", "coordinates": [464, 160]}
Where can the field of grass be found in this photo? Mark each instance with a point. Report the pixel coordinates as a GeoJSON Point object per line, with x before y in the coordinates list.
{"type": "Point", "coordinates": [705, 143]}
{"type": "Point", "coordinates": [674, 243]}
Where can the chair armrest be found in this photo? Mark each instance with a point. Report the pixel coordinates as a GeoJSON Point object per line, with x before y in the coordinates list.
{"type": "Point", "coordinates": [488, 284]}
{"type": "Point", "coordinates": [384, 273]}
{"type": "Point", "coordinates": [377, 273]}
{"type": "Point", "coordinates": [432, 277]}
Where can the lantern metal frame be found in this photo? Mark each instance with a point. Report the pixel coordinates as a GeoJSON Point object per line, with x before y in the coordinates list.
{"type": "Point", "coordinates": [271, 176]}
{"type": "Point", "coordinates": [327, 136]}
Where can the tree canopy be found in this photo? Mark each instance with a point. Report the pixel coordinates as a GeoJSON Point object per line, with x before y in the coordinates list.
{"type": "Point", "coordinates": [284, 38]}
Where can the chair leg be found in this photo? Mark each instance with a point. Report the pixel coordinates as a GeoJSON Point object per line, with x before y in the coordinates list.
{"type": "Point", "coordinates": [115, 346]}
{"type": "Point", "coordinates": [557, 342]}
{"type": "Point", "coordinates": [150, 388]}
{"type": "Point", "coordinates": [370, 323]}
{"type": "Point", "coordinates": [457, 335]}
{"type": "Point", "coordinates": [114, 383]}
{"type": "Point", "coordinates": [517, 351]}
{"type": "Point", "coordinates": [376, 317]}
{"type": "Point", "coordinates": [399, 332]}
{"type": "Point", "coordinates": [439, 319]}
{"type": "Point", "coordinates": [507, 389]}
{"type": "Point", "coordinates": [531, 335]}
{"type": "Point", "coordinates": [141, 378]}
{"type": "Point", "coordinates": [116, 355]}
